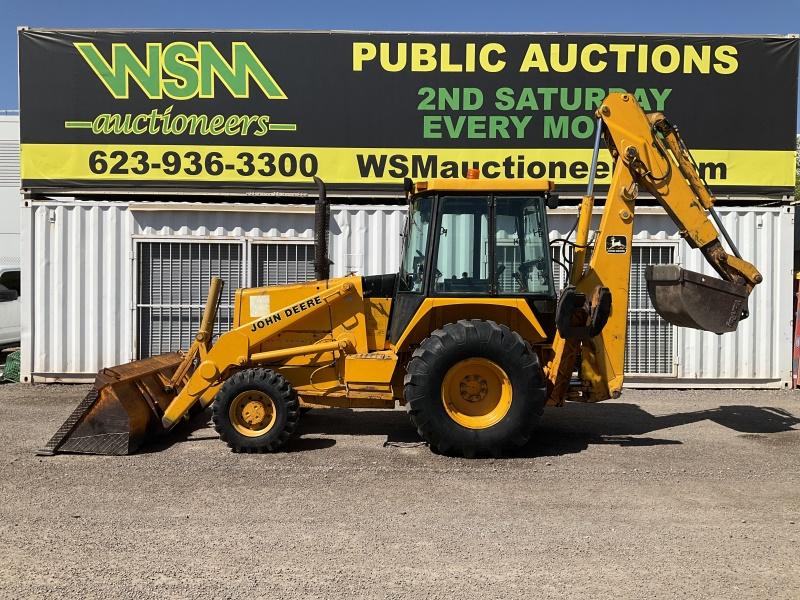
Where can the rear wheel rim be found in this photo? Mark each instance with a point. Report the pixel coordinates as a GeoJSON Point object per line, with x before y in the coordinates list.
{"type": "Point", "coordinates": [252, 413]}
{"type": "Point", "coordinates": [476, 393]}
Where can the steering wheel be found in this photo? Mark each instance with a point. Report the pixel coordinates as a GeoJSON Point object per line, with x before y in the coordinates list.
{"type": "Point", "coordinates": [522, 272]}
{"type": "Point", "coordinates": [498, 272]}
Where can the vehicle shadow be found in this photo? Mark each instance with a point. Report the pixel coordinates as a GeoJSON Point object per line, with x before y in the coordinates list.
{"type": "Point", "coordinates": [197, 428]}
{"type": "Point", "coordinates": [565, 430]}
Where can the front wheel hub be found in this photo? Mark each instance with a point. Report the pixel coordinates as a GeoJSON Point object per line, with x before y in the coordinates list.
{"type": "Point", "coordinates": [476, 393]}
{"type": "Point", "coordinates": [252, 413]}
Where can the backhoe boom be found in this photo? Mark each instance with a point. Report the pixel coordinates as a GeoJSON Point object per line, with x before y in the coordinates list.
{"type": "Point", "coordinates": [648, 153]}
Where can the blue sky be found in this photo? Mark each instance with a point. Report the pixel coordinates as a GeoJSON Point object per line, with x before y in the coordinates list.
{"type": "Point", "coordinates": [676, 16]}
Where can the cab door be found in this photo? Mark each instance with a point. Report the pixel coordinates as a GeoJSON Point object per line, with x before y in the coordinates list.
{"type": "Point", "coordinates": [411, 286]}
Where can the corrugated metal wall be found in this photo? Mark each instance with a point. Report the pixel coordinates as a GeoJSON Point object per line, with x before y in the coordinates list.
{"type": "Point", "coordinates": [366, 240]}
{"type": "Point", "coordinates": [9, 190]}
{"type": "Point", "coordinates": [362, 239]}
{"type": "Point", "coordinates": [79, 268]}
{"type": "Point", "coordinates": [761, 347]}
{"type": "Point", "coordinates": [9, 151]}
{"type": "Point", "coordinates": [76, 288]}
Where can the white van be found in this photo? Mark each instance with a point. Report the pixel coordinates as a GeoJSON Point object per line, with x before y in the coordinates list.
{"type": "Point", "coordinates": [9, 306]}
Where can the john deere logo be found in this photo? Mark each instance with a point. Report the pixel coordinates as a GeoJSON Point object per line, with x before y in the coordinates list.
{"type": "Point", "coordinates": [616, 244]}
{"type": "Point", "coordinates": [181, 70]}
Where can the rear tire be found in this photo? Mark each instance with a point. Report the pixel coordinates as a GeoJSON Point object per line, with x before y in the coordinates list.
{"type": "Point", "coordinates": [474, 388]}
{"type": "Point", "coordinates": [256, 410]}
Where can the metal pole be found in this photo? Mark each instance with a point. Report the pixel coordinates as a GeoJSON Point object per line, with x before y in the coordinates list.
{"type": "Point", "coordinates": [595, 155]}
{"type": "Point", "coordinates": [584, 221]}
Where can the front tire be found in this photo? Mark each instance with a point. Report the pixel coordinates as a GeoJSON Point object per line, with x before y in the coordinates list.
{"type": "Point", "coordinates": [474, 388]}
{"type": "Point", "coordinates": [256, 410]}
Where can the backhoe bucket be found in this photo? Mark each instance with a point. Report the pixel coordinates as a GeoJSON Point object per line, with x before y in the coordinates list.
{"type": "Point", "coordinates": [688, 299]}
{"type": "Point", "coordinates": [122, 409]}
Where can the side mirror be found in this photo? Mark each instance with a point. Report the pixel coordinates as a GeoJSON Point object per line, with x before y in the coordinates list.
{"type": "Point", "coordinates": [552, 201]}
{"type": "Point", "coordinates": [7, 295]}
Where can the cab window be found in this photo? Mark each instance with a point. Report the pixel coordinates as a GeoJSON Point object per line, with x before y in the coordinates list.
{"type": "Point", "coordinates": [522, 251]}
{"type": "Point", "coordinates": [462, 259]}
{"type": "Point", "coordinates": [415, 254]}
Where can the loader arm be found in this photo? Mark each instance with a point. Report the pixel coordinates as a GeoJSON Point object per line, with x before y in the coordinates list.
{"type": "Point", "coordinates": [648, 152]}
{"type": "Point", "coordinates": [234, 349]}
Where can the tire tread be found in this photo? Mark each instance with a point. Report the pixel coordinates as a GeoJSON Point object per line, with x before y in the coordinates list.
{"type": "Point", "coordinates": [281, 392]}
{"type": "Point", "coordinates": [425, 372]}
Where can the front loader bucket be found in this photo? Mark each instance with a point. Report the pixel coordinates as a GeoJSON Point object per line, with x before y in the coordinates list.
{"type": "Point", "coordinates": [688, 299]}
{"type": "Point", "coordinates": [122, 409]}
{"type": "Point", "coordinates": [127, 402]}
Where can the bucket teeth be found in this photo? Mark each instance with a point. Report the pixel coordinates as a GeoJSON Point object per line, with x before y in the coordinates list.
{"type": "Point", "coordinates": [72, 421]}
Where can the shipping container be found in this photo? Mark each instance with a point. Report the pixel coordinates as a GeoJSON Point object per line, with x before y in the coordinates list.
{"type": "Point", "coordinates": [108, 282]}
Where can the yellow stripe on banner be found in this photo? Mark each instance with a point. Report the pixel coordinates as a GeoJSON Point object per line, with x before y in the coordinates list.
{"type": "Point", "coordinates": [95, 163]}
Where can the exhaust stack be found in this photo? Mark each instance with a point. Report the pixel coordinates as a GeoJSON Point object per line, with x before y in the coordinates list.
{"type": "Point", "coordinates": [322, 219]}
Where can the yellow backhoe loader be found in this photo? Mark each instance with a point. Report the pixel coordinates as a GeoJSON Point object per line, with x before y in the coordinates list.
{"type": "Point", "coordinates": [470, 334]}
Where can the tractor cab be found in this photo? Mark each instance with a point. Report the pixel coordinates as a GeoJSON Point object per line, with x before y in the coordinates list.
{"type": "Point", "coordinates": [475, 238]}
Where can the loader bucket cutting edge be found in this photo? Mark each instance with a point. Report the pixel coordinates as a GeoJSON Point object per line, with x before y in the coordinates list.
{"type": "Point", "coordinates": [121, 411]}
{"type": "Point", "coordinates": [688, 299]}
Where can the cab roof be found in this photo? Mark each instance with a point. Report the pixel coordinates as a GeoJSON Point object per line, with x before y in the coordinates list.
{"type": "Point", "coordinates": [482, 185]}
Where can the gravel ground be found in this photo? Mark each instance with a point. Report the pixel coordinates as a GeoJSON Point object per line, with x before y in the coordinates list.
{"type": "Point", "coordinates": [671, 494]}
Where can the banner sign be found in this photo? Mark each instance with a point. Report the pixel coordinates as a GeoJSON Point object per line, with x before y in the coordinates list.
{"type": "Point", "coordinates": [270, 110]}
